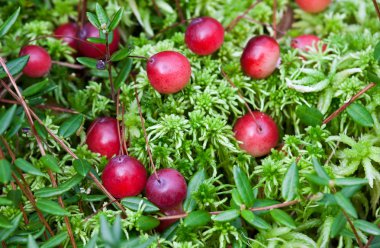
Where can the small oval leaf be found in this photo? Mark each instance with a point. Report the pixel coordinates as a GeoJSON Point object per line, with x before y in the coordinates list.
{"type": "Point", "coordinates": [51, 207]}
{"type": "Point", "coordinates": [198, 178]}
{"type": "Point", "coordinates": [227, 215]}
{"type": "Point", "coordinates": [360, 115]}
{"type": "Point", "coordinates": [282, 218]}
{"type": "Point", "coordinates": [243, 186]}
{"type": "Point", "coordinates": [55, 241]}
{"type": "Point", "coordinates": [338, 224]}
{"type": "Point", "coordinates": [5, 171]}
{"type": "Point", "coordinates": [81, 166]}
{"type": "Point", "coordinates": [346, 204]}
{"type": "Point", "coordinates": [197, 219]}
{"type": "Point", "coordinates": [4, 28]}
{"type": "Point", "coordinates": [133, 203]}
{"type": "Point", "coordinates": [309, 116]}
{"type": "Point", "coordinates": [27, 167]}
{"type": "Point", "coordinates": [51, 162]}
{"type": "Point", "coordinates": [7, 118]}
{"type": "Point", "coordinates": [290, 183]}
{"type": "Point", "coordinates": [70, 126]}
{"type": "Point", "coordinates": [146, 223]}
{"type": "Point", "coordinates": [15, 66]}
{"type": "Point", "coordinates": [367, 227]}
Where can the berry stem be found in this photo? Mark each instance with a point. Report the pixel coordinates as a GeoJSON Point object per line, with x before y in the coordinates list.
{"type": "Point", "coordinates": [235, 21]}
{"type": "Point", "coordinates": [124, 141]}
{"type": "Point", "coordinates": [121, 150]}
{"type": "Point", "coordinates": [109, 67]}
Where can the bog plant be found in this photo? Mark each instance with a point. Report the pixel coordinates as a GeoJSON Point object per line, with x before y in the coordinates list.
{"type": "Point", "coordinates": [318, 186]}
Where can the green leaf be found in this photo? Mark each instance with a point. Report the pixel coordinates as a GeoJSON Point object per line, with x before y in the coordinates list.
{"type": "Point", "coordinates": [282, 218]}
{"type": "Point", "coordinates": [62, 188]}
{"type": "Point", "coordinates": [41, 130]}
{"type": "Point", "coordinates": [51, 162]}
{"type": "Point", "coordinates": [5, 233]}
{"type": "Point", "coordinates": [373, 78]}
{"type": "Point", "coordinates": [319, 169]}
{"type": "Point", "coordinates": [93, 198]}
{"type": "Point", "coordinates": [120, 54]}
{"type": "Point", "coordinates": [7, 118]}
{"type": "Point", "coordinates": [93, 19]}
{"type": "Point", "coordinates": [35, 88]}
{"type": "Point", "coordinates": [309, 116]}
{"type": "Point", "coordinates": [140, 242]}
{"type": "Point", "coordinates": [88, 62]}
{"type": "Point", "coordinates": [146, 223]}
{"type": "Point", "coordinates": [197, 219]}
{"type": "Point", "coordinates": [31, 242]}
{"type": "Point", "coordinates": [56, 240]}
{"type": "Point", "coordinates": [92, 242]}
{"type": "Point", "coordinates": [15, 66]}
{"type": "Point", "coordinates": [105, 231]}
{"type": "Point", "coordinates": [254, 220]}
{"type": "Point", "coordinates": [338, 224]}
{"type": "Point", "coordinates": [346, 204]}
{"type": "Point", "coordinates": [227, 215]}
{"type": "Point", "coordinates": [290, 183]}
{"type": "Point", "coordinates": [116, 18]}
{"type": "Point", "coordinates": [350, 181]}
{"type": "Point", "coordinates": [4, 28]}
{"type": "Point", "coordinates": [133, 203]}
{"type": "Point", "coordinates": [5, 171]}
{"type": "Point", "coordinates": [97, 40]}
{"type": "Point", "coordinates": [360, 115]}
{"type": "Point", "coordinates": [4, 222]}
{"type": "Point", "coordinates": [15, 195]}
{"type": "Point", "coordinates": [82, 166]}
{"type": "Point", "coordinates": [5, 202]}
{"type": "Point", "coordinates": [243, 186]}
{"type": "Point", "coordinates": [196, 181]}
{"type": "Point", "coordinates": [350, 191]}
{"type": "Point", "coordinates": [101, 14]}
{"type": "Point", "coordinates": [126, 67]}
{"type": "Point", "coordinates": [367, 227]}
{"type": "Point", "coordinates": [376, 53]}
{"type": "Point", "coordinates": [236, 198]}
{"type": "Point", "coordinates": [51, 207]}
{"type": "Point", "coordinates": [70, 126]}
{"type": "Point", "coordinates": [317, 180]}
{"type": "Point", "coordinates": [27, 167]}
{"type": "Point", "coordinates": [170, 232]}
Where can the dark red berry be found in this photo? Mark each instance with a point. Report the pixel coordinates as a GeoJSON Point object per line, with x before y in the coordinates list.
{"type": "Point", "coordinates": [305, 42]}
{"type": "Point", "coordinates": [39, 61]}
{"type": "Point", "coordinates": [124, 176]}
{"type": "Point", "coordinates": [260, 57]}
{"type": "Point", "coordinates": [67, 30]}
{"type": "Point", "coordinates": [257, 132]}
{"type": "Point", "coordinates": [95, 50]}
{"type": "Point", "coordinates": [167, 189]}
{"type": "Point", "coordinates": [204, 35]}
{"type": "Point", "coordinates": [164, 224]}
{"type": "Point", "coordinates": [103, 137]}
{"type": "Point", "coordinates": [168, 72]}
{"type": "Point", "coordinates": [313, 6]}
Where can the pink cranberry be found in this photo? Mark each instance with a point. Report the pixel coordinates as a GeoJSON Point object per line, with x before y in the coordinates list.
{"type": "Point", "coordinates": [313, 6]}
{"type": "Point", "coordinates": [39, 61]}
{"type": "Point", "coordinates": [304, 42]}
{"type": "Point", "coordinates": [65, 32]}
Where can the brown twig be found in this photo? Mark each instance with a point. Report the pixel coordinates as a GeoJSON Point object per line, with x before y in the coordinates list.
{"type": "Point", "coordinates": [97, 211]}
{"type": "Point", "coordinates": [68, 65]}
{"type": "Point", "coordinates": [353, 228]}
{"type": "Point", "coordinates": [124, 142]}
{"type": "Point", "coordinates": [155, 6]}
{"type": "Point", "coordinates": [179, 10]}
{"type": "Point", "coordinates": [235, 21]}
{"type": "Point", "coordinates": [376, 7]}
{"type": "Point", "coordinates": [83, 12]}
{"type": "Point", "coordinates": [343, 107]}
{"type": "Point", "coordinates": [54, 108]}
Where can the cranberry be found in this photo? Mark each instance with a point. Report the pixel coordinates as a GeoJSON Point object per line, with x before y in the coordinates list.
{"type": "Point", "coordinates": [124, 176]}
{"type": "Point", "coordinates": [304, 42]}
{"type": "Point", "coordinates": [39, 61]}
{"type": "Point", "coordinates": [67, 30]}
{"type": "Point", "coordinates": [165, 224]}
{"type": "Point", "coordinates": [204, 35]}
{"type": "Point", "coordinates": [257, 132]}
{"type": "Point", "coordinates": [103, 137]}
{"type": "Point", "coordinates": [88, 49]}
{"type": "Point", "coordinates": [313, 6]}
{"type": "Point", "coordinates": [167, 189]}
{"type": "Point", "coordinates": [260, 57]}
{"type": "Point", "coordinates": [168, 72]}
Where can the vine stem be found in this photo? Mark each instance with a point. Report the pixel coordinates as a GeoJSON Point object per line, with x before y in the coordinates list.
{"type": "Point", "coordinates": [40, 145]}
{"type": "Point", "coordinates": [155, 6]}
{"type": "Point", "coordinates": [344, 106]}
{"type": "Point", "coordinates": [54, 108]}
{"type": "Point", "coordinates": [69, 151]}
{"type": "Point", "coordinates": [145, 134]}
{"type": "Point", "coordinates": [179, 10]}
{"type": "Point", "coordinates": [109, 66]}
{"type": "Point", "coordinates": [280, 205]}
{"type": "Point", "coordinates": [68, 65]}
{"type": "Point", "coordinates": [235, 21]}
{"type": "Point", "coordinates": [377, 8]}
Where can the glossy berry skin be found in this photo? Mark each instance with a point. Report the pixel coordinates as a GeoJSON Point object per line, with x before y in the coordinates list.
{"type": "Point", "coordinates": [88, 49]}
{"type": "Point", "coordinates": [260, 57]}
{"type": "Point", "coordinates": [304, 42]}
{"type": "Point", "coordinates": [258, 134]}
{"type": "Point", "coordinates": [165, 224]}
{"type": "Point", "coordinates": [124, 176]}
{"type": "Point", "coordinates": [204, 35]}
{"type": "Point", "coordinates": [67, 30]}
{"type": "Point", "coordinates": [167, 192]}
{"type": "Point", "coordinates": [313, 6]}
{"type": "Point", "coordinates": [39, 61]}
{"type": "Point", "coordinates": [103, 137]}
{"type": "Point", "coordinates": [168, 71]}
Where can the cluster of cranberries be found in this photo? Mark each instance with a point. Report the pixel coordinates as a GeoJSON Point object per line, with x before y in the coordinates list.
{"type": "Point", "coordinates": [169, 72]}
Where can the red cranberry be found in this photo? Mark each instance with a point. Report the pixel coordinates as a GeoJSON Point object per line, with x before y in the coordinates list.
{"type": "Point", "coordinates": [167, 189]}
{"type": "Point", "coordinates": [103, 137]}
{"type": "Point", "coordinates": [168, 72]}
{"type": "Point", "coordinates": [165, 224]}
{"type": "Point", "coordinates": [67, 30]}
{"type": "Point", "coordinates": [313, 6]}
{"type": "Point", "coordinates": [88, 49]}
{"type": "Point", "coordinates": [304, 42]}
{"type": "Point", "coordinates": [260, 57]}
{"type": "Point", "coordinates": [124, 176]}
{"type": "Point", "coordinates": [258, 133]}
{"type": "Point", "coordinates": [204, 35]}
{"type": "Point", "coordinates": [39, 61]}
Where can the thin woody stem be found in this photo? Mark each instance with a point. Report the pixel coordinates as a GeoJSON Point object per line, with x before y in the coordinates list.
{"type": "Point", "coordinates": [235, 21]}
{"type": "Point", "coordinates": [54, 108]}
